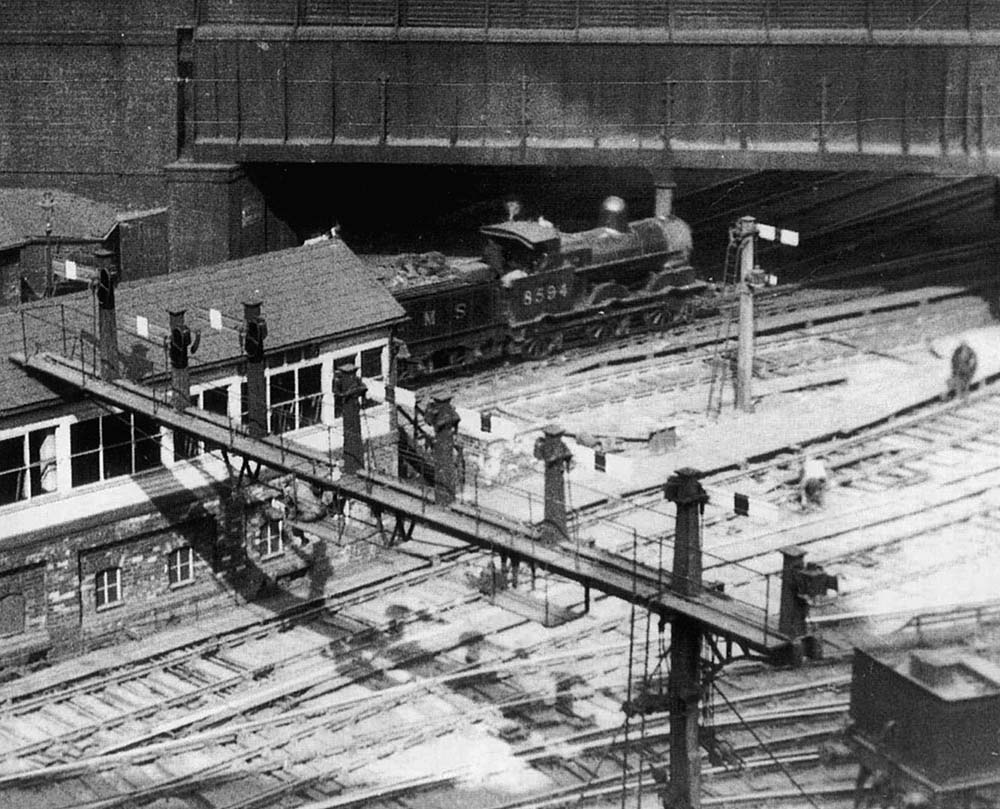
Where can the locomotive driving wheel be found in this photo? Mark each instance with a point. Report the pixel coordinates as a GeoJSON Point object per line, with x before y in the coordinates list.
{"type": "Point", "coordinates": [535, 348]}
{"type": "Point", "coordinates": [623, 326]}
{"type": "Point", "coordinates": [598, 332]}
{"type": "Point", "coordinates": [542, 345]}
{"type": "Point", "coordinates": [658, 319]}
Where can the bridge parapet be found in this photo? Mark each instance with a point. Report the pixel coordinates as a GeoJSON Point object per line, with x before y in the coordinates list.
{"type": "Point", "coordinates": [678, 15]}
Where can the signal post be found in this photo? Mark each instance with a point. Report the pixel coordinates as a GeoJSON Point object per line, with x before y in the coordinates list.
{"type": "Point", "coordinates": [751, 277]}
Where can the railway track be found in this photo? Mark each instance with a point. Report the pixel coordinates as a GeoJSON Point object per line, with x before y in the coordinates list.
{"type": "Point", "coordinates": [785, 354]}
{"type": "Point", "coordinates": [937, 464]}
{"type": "Point", "coordinates": [778, 310]}
{"type": "Point", "coordinates": [345, 728]}
{"type": "Point", "coordinates": [350, 750]}
{"type": "Point", "coordinates": [73, 717]}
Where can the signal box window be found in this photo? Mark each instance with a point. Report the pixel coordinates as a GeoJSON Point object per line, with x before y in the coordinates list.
{"type": "Point", "coordinates": [271, 542]}
{"type": "Point", "coordinates": [212, 400]}
{"type": "Point", "coordinates": [111, 446]}
{"type": "Point", "coordinates": [296, 398]}
{"type": "Point", "coordinates": [216, 401]}
{"type": "Point", "coordinates": [108, 587]}
{"type": "Point", "coordinates": [28, 465]}
{"type": "Point", "coordinates": [180, 566]}
{"type": "Point", "coordinates": [371, 363]}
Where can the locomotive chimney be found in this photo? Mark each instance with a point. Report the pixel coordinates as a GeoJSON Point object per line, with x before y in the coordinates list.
{"type": "Point", "coordinates": [614, 215]}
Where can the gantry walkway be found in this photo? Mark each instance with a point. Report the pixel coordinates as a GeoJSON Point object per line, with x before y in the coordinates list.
{"type": "Point", "coordinates": [734, 622]}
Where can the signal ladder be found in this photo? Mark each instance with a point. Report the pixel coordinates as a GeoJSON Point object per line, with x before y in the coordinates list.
{"type": "Point", "coordinates": [724, 355]}
{"type": "Point", "coordinates": [741, 237]}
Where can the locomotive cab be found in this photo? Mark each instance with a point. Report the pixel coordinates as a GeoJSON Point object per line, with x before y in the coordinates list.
{"type": "Point", "coordinates": [534, 277]}
{"type": "Point", "coordinates": [517, 249]}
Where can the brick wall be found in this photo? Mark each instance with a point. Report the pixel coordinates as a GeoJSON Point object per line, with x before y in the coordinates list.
{"type": "Point", "coordinates": [89, 101]}
{"type": "Point", "coordinates": [27, 584]}
{"type": "Point", "coordinates": [56, 576]}
{"type": "Point", "coordinates": [218, 213]}
{"type": "Point", "coordinates": [142, 558]}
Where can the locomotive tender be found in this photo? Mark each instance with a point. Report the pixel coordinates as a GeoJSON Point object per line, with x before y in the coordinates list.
{"type": "Point", "coordinates": [537, 289]}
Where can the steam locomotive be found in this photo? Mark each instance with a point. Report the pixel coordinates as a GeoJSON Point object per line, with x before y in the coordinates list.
{"type": "Point", "coordinates": [537, 290]}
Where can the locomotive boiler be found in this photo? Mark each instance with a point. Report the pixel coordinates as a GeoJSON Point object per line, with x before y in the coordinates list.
{"type": "Point", "coordinates": [537, 290]}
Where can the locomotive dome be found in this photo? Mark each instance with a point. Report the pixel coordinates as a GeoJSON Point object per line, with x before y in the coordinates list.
{"type": "Point", "coordinates": [614, 214]}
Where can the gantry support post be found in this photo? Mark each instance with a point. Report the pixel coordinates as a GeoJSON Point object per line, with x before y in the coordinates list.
{"type": "Point", "coordinates": [684, 683]}
{"type": "Point", "coordinates": [107, 320]}
{"type": "Point", "coordinates": [744, 357]}
{"type": "Point", "coordinates": [254, 334]}
{"type": "Point", "coordinates": [444, 419]}
{"type": "Point", "coordinates": [350, 390]}
{"type": "Point", "coordinates": [792, 614]}
{"type": "Point", "coordinates": [181, 341]}
{"type": "Point", "coordinates": [799, 582]}
{"type": "Point", "coordinates": [551, 449]}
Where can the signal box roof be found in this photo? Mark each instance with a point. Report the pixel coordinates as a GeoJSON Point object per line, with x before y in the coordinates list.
{"type": "Point", "coordinates": [530, 234]}
{"type": "Point", "coordinates": [309, 294]}
{"type": "Point", "coordinates": [22, 217]}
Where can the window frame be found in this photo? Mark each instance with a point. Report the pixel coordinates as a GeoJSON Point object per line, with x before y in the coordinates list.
{"type": "Point", "coordinates": [103, 587]}
{"type": "Point", "coordinates": [294, 408]}
{"type": "Point", "coordinates": [180, 561]}
{"type": "Point", "coordinates": [30, 473]}
{"type": "Point", "coordinates": [198, 446]}
{"type": "Point", "coordinates": [272, 533]}
{"type": "Point", "coordinates": [137, 461]}
{"type": "Point", "coordinates": [357, 358]}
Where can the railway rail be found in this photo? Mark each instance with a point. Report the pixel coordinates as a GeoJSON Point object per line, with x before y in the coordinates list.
{"type": "Point", "coordinates": [319, 739]}
{"type": "Point", "coordinates": [965, 271]}
{"type": "Point", "coordinates": [783, 354]}
{"type": "Point", "coordinates": [351, 751]}
{"type": "Point", "coordinates": [937, 462]}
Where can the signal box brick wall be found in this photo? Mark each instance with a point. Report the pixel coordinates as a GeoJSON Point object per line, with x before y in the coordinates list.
{"type": "Point", "coordinates": [142, 557]}
{"type": "Point", "coordinates": [28, 584]}
{"type": "Point", "coordinates": [51, 580]}
{"type": "Point", "coordinates": [56, 577]}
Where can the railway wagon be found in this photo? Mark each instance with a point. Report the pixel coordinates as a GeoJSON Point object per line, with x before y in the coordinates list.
{"type": "Point", "coordinates": [927, 729]}
{"type": "Point", "coordinates": [536, 290]}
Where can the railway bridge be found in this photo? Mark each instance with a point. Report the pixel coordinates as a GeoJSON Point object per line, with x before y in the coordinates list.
{"type": "Point", "coordinates": [662, 87]}
{"type": "Point", "coordinates": [189, 102]}
{"type": "Point", "coordinates": [787, 83]}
